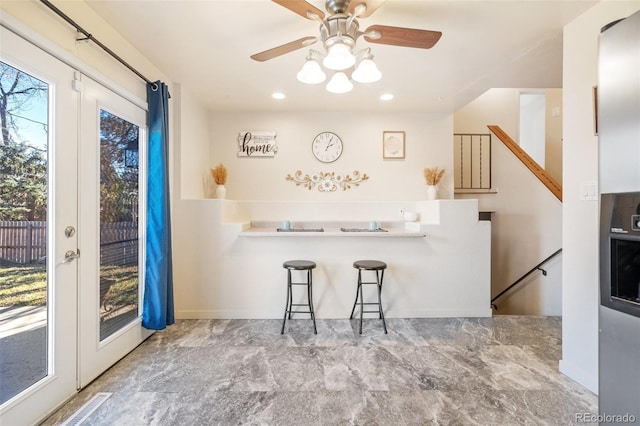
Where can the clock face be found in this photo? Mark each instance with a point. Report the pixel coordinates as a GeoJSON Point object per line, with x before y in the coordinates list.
{"type": "Point", "coordinates": [327, 147]}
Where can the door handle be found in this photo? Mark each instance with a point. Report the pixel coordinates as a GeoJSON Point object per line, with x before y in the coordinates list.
{"type": "Point", "coordinates": [70, 255]}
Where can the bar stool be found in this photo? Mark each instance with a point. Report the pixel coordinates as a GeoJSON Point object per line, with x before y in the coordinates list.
{"type": "Point", "coordinates": [299, 265]}
{"type": "Point", "coordinates": [377, 267]}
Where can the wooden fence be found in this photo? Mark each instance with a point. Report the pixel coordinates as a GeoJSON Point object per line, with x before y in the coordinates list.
{"type": "Point", "coordinates": [23, 242]}
{"type": "Point", "coordinates": [26, 242]}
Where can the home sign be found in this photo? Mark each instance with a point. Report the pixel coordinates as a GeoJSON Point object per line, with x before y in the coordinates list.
{"type": "Point", "coordinates": [257, 144]}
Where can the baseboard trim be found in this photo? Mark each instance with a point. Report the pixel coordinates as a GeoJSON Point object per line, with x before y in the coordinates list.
{"type": "Point", "coordinates": [243, 314]}
{"type": "Point", "coordinates": [579, 375]}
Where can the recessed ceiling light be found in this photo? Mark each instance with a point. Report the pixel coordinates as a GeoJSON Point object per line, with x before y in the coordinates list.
{"type": "Point", "coordinates": [386, 97]}
{"type": "Point", "coordinates": [278, 95]}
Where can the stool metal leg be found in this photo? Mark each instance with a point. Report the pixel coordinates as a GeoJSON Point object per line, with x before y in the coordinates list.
{"type": "Point", "coordinates": [355, 301]}
{"type": "Point", "coordinates": [361, 298]}
{"type": "Point", "coordinates": [384, 323]}
{"type": "Point", "coordinates": [287, 306]}
{"type": "Point", "coordinates": [290, 294]}
{"type": "Point", "coordinates": [310, 299]}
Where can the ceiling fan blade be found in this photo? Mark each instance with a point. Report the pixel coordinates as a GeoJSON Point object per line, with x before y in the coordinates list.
{"type": "Point", "coordinates": [285, 48]}
{"type": "Point", "coordinates": [372, 5]}
{"type": "Point", "coordinates": [300, 7]}
{"type": "Point", "coordinates": [408, 37]}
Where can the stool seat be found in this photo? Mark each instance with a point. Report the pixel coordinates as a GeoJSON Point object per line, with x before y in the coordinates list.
{"type": "Point", "coordinates": [369, 265]}
{"type": "Point", "coordinates": [299, 265]}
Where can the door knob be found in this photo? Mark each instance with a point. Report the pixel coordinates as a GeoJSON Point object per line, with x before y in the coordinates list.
{"type": "Point", "coordinates": [69, 231]}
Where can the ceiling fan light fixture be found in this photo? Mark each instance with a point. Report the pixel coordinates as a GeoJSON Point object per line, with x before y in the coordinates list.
{"type": "Point", "coordinates": [339, 57]}
{"type": "Point", "coordinates": [366, 71]}
{"type": "Point", "coordinates": [339, 83]}
{"type": "Point", "coordinates": [311, 72]}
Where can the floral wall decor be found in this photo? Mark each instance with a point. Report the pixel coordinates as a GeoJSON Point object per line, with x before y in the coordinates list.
{"type": "Point", "coordinates": [327, 181]}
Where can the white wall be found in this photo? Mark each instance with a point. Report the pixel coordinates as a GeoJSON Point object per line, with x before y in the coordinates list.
{"type": "Point", "coordinates": [532, 125]}
{"type": "Point", "coordinates": [206, 252]}
{"type": "Point", "coordinates": [495, 106]}
{"type": "Point", "coordinates": [553, 134]}
{"type": "Point", "coordinates": [527, 223]}
{"type": "Point", "coordinates": [191, 144]}
{"type": "Point", "coordinates": [580, 164]}
{"type": "Point", "coordinates": [428, 144]}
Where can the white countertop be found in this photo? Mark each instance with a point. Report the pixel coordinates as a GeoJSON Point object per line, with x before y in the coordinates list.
{"type": "Point", "coordinates": [332, 229]}
{"type": "Point", "coordinates": [330, 232]}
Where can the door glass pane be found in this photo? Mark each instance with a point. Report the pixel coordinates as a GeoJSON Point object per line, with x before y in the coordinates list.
{"type": "Point", "coordinates": [118, 223]}
{"type": "Point", "coordinates": [24, 102]}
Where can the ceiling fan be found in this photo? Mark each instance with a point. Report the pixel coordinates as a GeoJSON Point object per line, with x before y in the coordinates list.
{"type": "Point", "coordinates": [339, 32]}
{"type": "Point", "coordinates": [341, 26]}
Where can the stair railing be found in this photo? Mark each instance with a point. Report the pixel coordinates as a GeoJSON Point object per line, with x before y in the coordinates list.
{"type": "Point", "coordinates": [472, 157]}
{"type": "Point", "coordinates": [538, 267]}
{"type": "Point", "coordinates": [530, 163]}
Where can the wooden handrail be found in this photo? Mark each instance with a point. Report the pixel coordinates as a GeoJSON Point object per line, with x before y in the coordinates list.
{"type": "Point", "coordinates": [539, 172]}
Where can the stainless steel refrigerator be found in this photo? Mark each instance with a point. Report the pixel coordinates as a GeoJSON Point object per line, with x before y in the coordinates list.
{"type": "Point", "coordinates": [618, 123]}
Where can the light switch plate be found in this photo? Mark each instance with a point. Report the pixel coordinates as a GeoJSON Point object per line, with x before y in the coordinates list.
{"type": "Point", "coordinates": [589, 191]}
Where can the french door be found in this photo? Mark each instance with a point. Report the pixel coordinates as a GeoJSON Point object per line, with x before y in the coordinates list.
{"type": "Point", "coordinates": [111, 189]}
{"type": "Point", "coordinates": [39, 155]}
{"type": "Point", "coordinates": [70, 162]}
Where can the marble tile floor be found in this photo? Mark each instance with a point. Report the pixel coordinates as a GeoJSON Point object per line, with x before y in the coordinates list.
{"type": "Point", "coordinates": [450, 371]}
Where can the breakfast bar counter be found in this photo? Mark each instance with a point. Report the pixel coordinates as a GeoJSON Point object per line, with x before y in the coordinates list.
{"type": "Point", "coordinates": [438, 265]}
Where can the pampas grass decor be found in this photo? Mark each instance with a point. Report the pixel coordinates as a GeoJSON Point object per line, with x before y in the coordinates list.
{"type": "Point", "coordinates": [219, 174]}
{"type": "Point", "coordinates": [433, 175]}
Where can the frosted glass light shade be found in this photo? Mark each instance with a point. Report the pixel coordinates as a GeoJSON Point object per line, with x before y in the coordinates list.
{"type": "Point", "coordinates": [366, 72]}
{"type": "Point", "coordinates": [339, 57]}
{"type": "Point", "coordinates": [311, 73]}
{"type": "Point", "coordinates": [339, 83]}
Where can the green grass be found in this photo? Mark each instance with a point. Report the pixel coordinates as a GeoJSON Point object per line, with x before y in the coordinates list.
{"type": "Point", "coordinates": [23, 285]}
{"type": "Point", "coordinates": [26, 285]}
{"type": "Point", "coordinates": [125, 290]}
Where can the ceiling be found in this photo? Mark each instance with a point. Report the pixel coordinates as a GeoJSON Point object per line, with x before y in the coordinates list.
{"type": "Point", "coordinates": [205, 46]}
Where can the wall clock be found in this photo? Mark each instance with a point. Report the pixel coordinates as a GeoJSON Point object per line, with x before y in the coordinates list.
{"type": "Point", "coordinates": [327, 147]}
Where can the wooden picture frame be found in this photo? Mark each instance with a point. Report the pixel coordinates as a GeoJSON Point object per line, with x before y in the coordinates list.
{"type": "Point", "coordinates": [393, 144]}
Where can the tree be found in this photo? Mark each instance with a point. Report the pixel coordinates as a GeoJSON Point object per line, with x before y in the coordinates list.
{"type": "Point", "coordinates": [23, 183]}
{"type": "Point", "coordinates": [118, 174]}
{"type": "Point", "coordinates": [23, 167]}
{"type": "Point", "coordinates": [18, 91]}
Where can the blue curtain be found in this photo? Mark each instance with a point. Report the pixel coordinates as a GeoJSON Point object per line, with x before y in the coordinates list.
{"type": "Point", "coordinates": [157, 308]}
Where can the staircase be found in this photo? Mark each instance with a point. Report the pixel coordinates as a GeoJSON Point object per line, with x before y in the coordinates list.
{"type": "Point", "coordinates": [526, 206]}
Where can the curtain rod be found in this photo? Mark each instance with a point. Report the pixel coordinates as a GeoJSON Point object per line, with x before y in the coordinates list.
{"type": "Point", "coordinates": [88, 36]}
